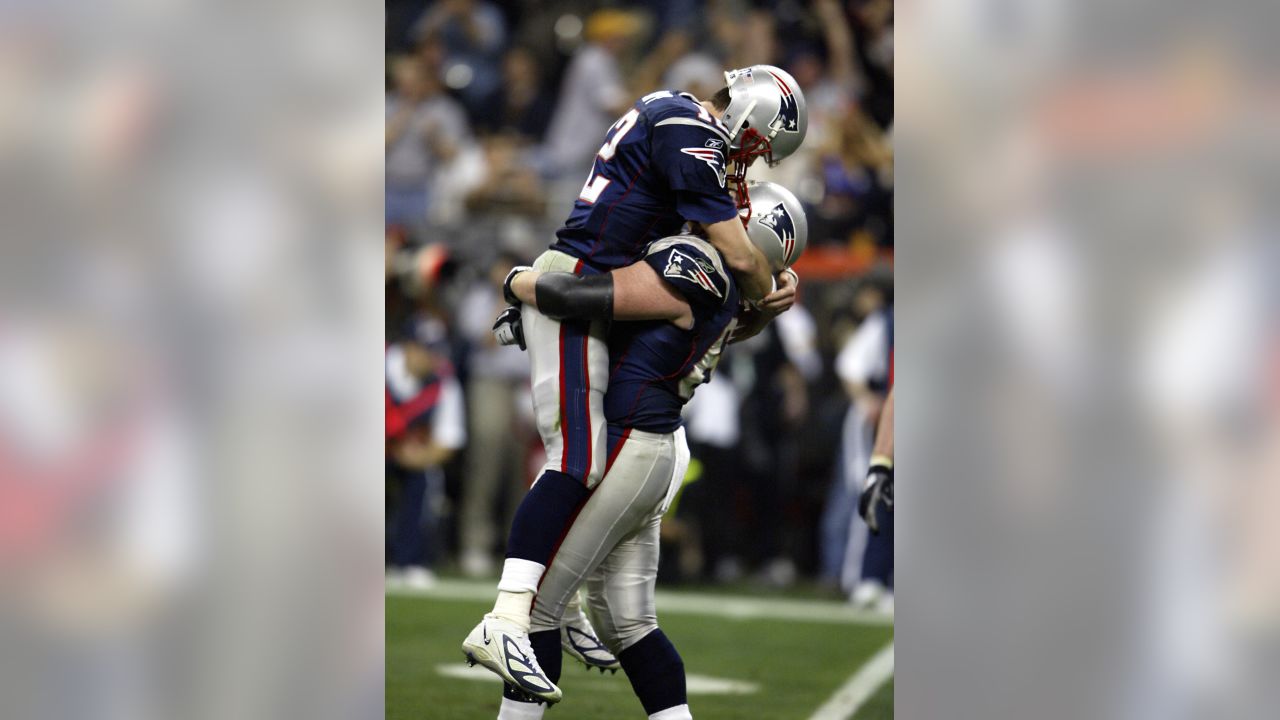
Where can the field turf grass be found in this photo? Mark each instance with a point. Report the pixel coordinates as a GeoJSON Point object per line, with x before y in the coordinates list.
{"type": "Point", "coordinates": [797, 665]}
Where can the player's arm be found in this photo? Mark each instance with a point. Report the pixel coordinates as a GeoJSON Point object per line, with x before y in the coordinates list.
{"type": "Point", "coordinates": [692, 155]}
{"type": "Point", "coordinates": [745, 260]}
{"type": "Point", "coordinates": [752, 320]}
{"type": "Point", "coordinates": [883, 446]}
{"type": "Point", "coordinates": [877, 490]}
{"type": "Point", "coordinates": [634, 292]}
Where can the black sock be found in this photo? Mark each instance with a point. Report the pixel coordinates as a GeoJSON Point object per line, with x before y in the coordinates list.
{"type": "Point", "coordinates": [656, 672]}
{"type": "Point", "coordinates": [546, 647]}
{"type": "Point", "coordinates": [544, 516]}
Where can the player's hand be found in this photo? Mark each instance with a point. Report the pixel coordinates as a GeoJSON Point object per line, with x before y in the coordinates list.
{"type": "Point", "coordinates": [508, 294]}
{"type": "Point", "coordinates": [507, 329]}
{"type": "Point", "coordinates": [751, 320]}
{"type": "Point", "coordinates": [781, 300]}
{"type": "Point", "coordinates": [877, 491]}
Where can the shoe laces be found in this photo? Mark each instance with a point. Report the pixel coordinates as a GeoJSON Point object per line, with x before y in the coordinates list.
{"type": "Point", "coordinates": [524, 646]}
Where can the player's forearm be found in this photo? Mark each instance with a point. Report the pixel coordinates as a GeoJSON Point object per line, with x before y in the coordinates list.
{"type": "Point", "coordinates": [565, 296]}
{"type": "Point", "coordinates": [883, 446]}
{"type": "Point", "coordinates": [634, 292]}
{"type": "Point", "coordinates": [745, 260]}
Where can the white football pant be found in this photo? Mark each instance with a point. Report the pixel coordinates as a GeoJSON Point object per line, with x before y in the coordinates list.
{"type": "Point", "coordinates": [613, 543]}
{"type": "Point", "coordinates": [569, 364]}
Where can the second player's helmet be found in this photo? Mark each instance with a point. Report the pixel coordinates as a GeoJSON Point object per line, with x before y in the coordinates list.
{"type": "Point", "coordinates": [777, 226]}
{"type": "Point", "coordinates": [767, 116]}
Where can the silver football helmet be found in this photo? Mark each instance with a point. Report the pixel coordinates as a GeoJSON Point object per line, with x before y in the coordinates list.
{"type": "Point", "coordinates": [777, 224]}
{"type": "Point", "coordinates": [767, 116]}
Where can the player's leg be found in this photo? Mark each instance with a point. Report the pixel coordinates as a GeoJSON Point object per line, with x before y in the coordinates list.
{"type": "Point", "coordinates": [569, 367]}
{"type": "Point", "coordinates": [637, 485]}
{"type": "Point", "coordinates": [569, 371]}
{"type": "Point", "coordinates": [621, 597]}
{"type": "Point", "coordinates": [627, 499]}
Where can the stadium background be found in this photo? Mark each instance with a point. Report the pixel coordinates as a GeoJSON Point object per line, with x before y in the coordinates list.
{"type": "Point", "coordinates": [493, 111]}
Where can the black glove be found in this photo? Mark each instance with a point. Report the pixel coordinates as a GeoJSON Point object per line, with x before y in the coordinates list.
{"type": "Point", "coordinates": [877, 491]}
{"type": "Point", "coordinates": [507, 329]}
{"type": "Point", "coordinates": [507, 294]}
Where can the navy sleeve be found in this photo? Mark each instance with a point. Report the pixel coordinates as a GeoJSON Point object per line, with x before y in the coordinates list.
{"type": "Point", "coordinates": [692, 157]}
{"type": "Point", "coordinates": [687, 268]}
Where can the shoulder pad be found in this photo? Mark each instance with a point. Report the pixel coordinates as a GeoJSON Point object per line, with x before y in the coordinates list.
{"type": "Point", "coordinates": [694, 260]}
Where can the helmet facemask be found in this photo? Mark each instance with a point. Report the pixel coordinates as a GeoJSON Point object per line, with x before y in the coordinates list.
{"type": "Point", "coordinates": [753, 145]}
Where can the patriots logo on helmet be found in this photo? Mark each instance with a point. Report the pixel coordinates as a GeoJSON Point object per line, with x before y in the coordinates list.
{"type": "Point", "coordinates": [710, 156]}
{"type": "Point", "coordinates": [779, 221]}
{"type": "Point", "coordinates": [789, 110]}
{"type": "Point", "coordinates": [680, 265]}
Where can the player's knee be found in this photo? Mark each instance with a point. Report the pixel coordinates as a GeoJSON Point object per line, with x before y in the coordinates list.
{"type": "Point", "coordinates": [630, 631]}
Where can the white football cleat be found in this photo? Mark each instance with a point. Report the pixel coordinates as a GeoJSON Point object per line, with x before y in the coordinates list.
{"type": "Point", "coordinates": [504, 648]}
{"type": "Point", "coordinates": [578, 638]}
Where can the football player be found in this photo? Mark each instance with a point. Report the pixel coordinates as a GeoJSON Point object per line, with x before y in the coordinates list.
{"type": "Point", "coordinates": [683, 305]}
{"type": "Point", "coordinates": [667, 161]}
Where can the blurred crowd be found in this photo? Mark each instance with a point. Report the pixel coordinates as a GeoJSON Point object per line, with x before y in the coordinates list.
{"type": "Point", "coordinates": [493, 112]}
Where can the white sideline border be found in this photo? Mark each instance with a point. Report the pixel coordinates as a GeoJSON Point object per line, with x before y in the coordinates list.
{"type": "Point", "coordinates": [858, 688]}
{"type": "Point", "coordinates": [677, 602]}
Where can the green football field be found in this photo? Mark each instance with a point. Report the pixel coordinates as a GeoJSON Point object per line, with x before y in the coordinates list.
{"type": "Point", "coordinates": [745, 656]}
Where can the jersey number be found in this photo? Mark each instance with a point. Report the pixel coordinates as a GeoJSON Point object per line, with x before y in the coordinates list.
{"type": "Point", "coordinates": [597, 183]}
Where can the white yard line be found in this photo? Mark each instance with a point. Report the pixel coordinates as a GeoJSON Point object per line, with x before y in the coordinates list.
{"type": "Point", "coordinates": [687, 603]}
{"type": "Point", "coordinates": [859, 688]}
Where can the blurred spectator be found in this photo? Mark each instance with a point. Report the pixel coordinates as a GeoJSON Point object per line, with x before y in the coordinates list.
{"type": "Point", "coordinates": [426, 129]}
{"type": "Point", "coordinates": [497, 390]}
{"type": "Point", "coordinates": [425, 427]}
{"type": "Point", "coordinates": [523, 108]}
{"type": "Point", "coordinates": [593, 94]}
{"type": "Point", "coordinates": [873, 40]}
{"type": "Point", "coordinates": [509, 186]}
{"type": "Point", "coordinates": [863, 366]}
{"type": "Point", "coordinates": [775, 403]}
{"type": "Point", "coordinates": [857, 175]}
{"type": "Point", "coordinates": [712, 424]}
{"type": "Point", "coordinates": [473, 33]}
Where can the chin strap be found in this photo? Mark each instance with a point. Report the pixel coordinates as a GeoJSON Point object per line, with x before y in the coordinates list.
{"type": "Point", "coordinates": [753, 145]}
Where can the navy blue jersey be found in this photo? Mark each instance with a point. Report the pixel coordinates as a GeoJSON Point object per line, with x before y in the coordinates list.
{"type": "Point", "coordinates": [654, 365]}
{"type": "Point", "coordinates": [662, 163]}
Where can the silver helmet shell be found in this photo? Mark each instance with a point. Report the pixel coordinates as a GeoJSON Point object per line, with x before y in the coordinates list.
{"type": "Point", "coordinates": [767, 114]}
{"type": "Point", "coordinates": [777, 226]}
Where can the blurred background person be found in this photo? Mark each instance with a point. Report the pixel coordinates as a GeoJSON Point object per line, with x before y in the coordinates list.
{"type": "Point", "coordinates": [523, 107]}
{"type": "Point", "coordinates": [425, 427]}
{"type": "Point", "coordinates": [501, 429]}
{"type": "Point", "coordinates": [592, 97]}
{"type": "Point", "coordinates": [426, 129]}
{"type": "Point", "coordinates": [711, 502]}
{"type": "Point", "coordinates": [775, 404]}
{"type": "Point", "coordinates": [863, 365]}
{"type": "Point", "coordinates": [472, 33]}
